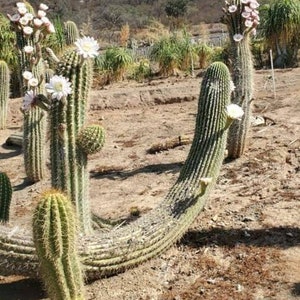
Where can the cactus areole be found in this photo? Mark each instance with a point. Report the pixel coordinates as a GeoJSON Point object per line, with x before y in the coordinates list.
{"type": "Point", "coordinates": [104, 254]}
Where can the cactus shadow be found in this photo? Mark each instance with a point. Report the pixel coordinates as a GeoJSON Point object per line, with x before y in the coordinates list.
{"type": "Point", "coordinates": [277, 237]}
{"type": "Point", "coordinates": [23, 185]}
{"type": "Point", "coordinates": [124, 174]}
{"type": "Point", "coordinates": [14, 151]}
{"type": "Point", "coordinates": [296, 289]}
{"type": "Point", "coordinates": [28, 289]}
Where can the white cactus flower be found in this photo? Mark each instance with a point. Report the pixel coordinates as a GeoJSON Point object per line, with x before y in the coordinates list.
{"type": "Point", "coordinates": [23, 21]}
{"type": "Point", "coordinates": [41, 13]}
{"type": "Point", "coordinates": [37, 22]}
{"type": "Point", "coordinates": [232, 8]}
{"type": "Point", "coordinates": [28, 30]}
{"type": "Point", "coordinates": [28, 49]}
{"type": "Point", "coordinates": [43, 6]}
{"type": "Point", "coordinates": [87, 47]}
{"type": "Point", "coordinates": [234, 111]}
{"type": "Point", "coordinates": [27, 75]}
{"type": "Point", "coordinates": [238, 37]}
{"type": "Point", "coordinates": [59, 87]}
{"type": "Point", "coordinates": [206, 180]}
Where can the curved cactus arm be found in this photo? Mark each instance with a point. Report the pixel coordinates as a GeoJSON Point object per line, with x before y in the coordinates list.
{"type": "Point", "coordinates": [105, 254]}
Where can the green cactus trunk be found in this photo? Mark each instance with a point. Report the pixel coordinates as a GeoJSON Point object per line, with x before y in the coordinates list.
{"type": "Point", "coordinates": [104, 254]}
{"type": "Point", "coordinates": [54, 232]}
{"type": "Point", "coordinates": [5, 197]}
{"type": "Point", "coordinates": [71, 32]}
{"type": "Point", "coordinates": [68, 161]}
{"type": "Point", "coordinates": [34, 137]}
{"type": "Point", "coordinates": [242, 76]}
{"type": "Point", "coordinates": [4, 93]}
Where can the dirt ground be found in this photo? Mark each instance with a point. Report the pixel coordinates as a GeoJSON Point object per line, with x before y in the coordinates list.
{"type": "Point", "coordinates": [244, 245]}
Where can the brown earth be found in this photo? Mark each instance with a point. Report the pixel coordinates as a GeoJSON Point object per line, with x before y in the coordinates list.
{"type": "Point", "coordinates": [244, 245]}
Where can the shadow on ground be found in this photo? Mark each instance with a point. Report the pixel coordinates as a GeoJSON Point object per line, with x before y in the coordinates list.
{"type": "Point", "coordinates": [24, 289]}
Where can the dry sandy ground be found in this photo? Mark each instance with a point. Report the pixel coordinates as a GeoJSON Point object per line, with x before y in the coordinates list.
{"type": "Point", "coordinates": [244, 245]}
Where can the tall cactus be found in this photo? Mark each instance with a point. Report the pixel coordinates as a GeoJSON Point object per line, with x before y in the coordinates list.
{"type": "Point", "coordinates": [4, 92]}
{"type": "Point", "coordinates": [71, 32]}
{"type": "Point", "coordinates": [5, 197]}
{"type": "Point", "coordinates": [54, 235]}
{"type": "Point", "coordinates": [107, 253]}
{"type": "Point", "coordinates": [68, 160]}
{"type": "Point", "coordinates": [241, 18]}
{"type": "Point", "coordinates": [34, 132]}
{"type": "Point", "coordinates": [31, 29]}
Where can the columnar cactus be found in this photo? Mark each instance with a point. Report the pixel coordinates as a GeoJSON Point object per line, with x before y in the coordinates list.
{"type": "Point", "coordinates": [71, 32]}
{"type": "Point", "coordinates": [4, 93]}
{"type": "Point", "coordinates": [107, 253]}
{"type": "Point", "coordinates": [54, 234]}
{"type": "Point", "coordinates": [31, 28]}
{"type": "Point", "coordinates": [34, 132]}
{"type": "Point", "coordinates": [68, 160]}
{"type": "Point", "coordinates": [241, 18]}
{"type": "Point", "coordinates": [5, 197]}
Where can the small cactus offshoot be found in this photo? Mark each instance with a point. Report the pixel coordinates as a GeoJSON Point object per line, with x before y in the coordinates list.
{"type": "Point", "coordinates": [5, 197]}
{"type": "Point", "coordinates": [54, 232]}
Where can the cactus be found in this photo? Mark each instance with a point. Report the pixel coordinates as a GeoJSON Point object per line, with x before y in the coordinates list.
{"type": "Point", "coordinates": [5, 197]}
{"type": "Point", "coordinates": [71, 32]}
{"type": "Point", "coordinates": [91, 139]}
{"type": "Point", "coordinates": [108, 253]}
{"type": "Point", "coordinates": [34, 137]}
{"type": "Point", "coordinates": [34, 122]}
{"type": "Point", "coordinates": [4, 93]}
{"type": "Point", "coordinates": [54, 232]}
{"type": "Point", "coordinates": [68, 160]}
{"type": "Point", "coordinates": [240, 23]}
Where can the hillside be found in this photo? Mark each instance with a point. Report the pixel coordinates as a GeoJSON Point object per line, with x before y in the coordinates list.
{"type": "Point", "coordinates": [112, 14]}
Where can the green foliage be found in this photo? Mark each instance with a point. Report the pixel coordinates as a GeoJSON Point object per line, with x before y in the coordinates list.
{"type": "Point", "coordinates": [54, 234]}
{"type": "Point", "coordinates": [4, 92]}
{"type": "Point", "coordinates": [115, 61]}
{"type": "Point", "coordinates": [280, 28]}
{"type": "Point", "coordinates": [205, 53]}
{"type": "Point", "coordinates": [176, 8]}
{"type": "Point", "coordinates": [167, 53]}
{"type": "Point", "coordinates": [141, 70]}
{"type": "Point", "coordinates": [5, 197]}
{"type": "Point", "coordinates": [8, 52]}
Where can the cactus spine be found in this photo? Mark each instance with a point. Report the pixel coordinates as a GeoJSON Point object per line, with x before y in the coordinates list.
{"type": "Point", "coordinates": [5, 197]}
{"type": "Point", "coordinates": [54, 232]}
{"type": "Point", "coordinates": [242, 70]}
{"type": "Point", "coordinates": [107, 253]}
{"type": "Point", "coordinates": [4, 93]}
{"type": "Point", "coordinates": [68, 161]}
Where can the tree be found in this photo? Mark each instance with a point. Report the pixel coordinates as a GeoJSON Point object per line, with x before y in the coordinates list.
{"type": "Point", "coordinates": [280, 27]}
{"type": "Point", "coordinates": [176, 8]}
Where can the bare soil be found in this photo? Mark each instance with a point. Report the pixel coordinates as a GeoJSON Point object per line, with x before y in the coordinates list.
{"type": "Point", "coordinates": [244, 245]}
